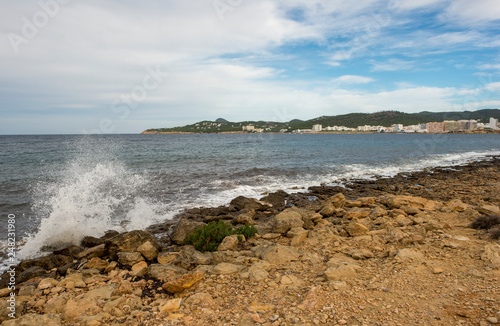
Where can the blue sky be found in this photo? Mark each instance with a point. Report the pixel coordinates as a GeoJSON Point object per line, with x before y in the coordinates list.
{"type": "Point", "coordinates": [109, 66]}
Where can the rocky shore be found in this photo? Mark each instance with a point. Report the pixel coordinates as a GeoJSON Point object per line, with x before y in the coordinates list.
{"type": "Point", "coordinates": [393, 251]}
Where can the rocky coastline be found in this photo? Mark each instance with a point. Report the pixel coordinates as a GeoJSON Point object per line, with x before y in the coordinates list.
{"type": "Point", "coordinates": [391, 251]}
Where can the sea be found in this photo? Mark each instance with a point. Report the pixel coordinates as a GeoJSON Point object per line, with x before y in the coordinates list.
{"type": "Point", "coordinates": [55, 189]}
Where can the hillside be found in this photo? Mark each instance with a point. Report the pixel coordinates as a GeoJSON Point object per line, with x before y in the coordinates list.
{"type": "Point", "coordinates": [351, 120]}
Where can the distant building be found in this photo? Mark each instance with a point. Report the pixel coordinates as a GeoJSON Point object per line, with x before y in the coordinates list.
{"type": "Point", "coordinates": [451, 126]}
{"type": "Point", "coordinates": [317, 128]}
{"type": "Point", "coordinates": [248, 128]}
{"type": "Point", "coordinates": [397, 127]}
{"type": "Point", "coordinates": [493, 123]}
{"type": "Point", "coordinates": [468, 125]}
{"type": "Point", "coordinates": [434, 127]}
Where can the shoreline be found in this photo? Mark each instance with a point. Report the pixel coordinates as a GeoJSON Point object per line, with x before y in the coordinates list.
{"type": "Point", "coordinates": [314, 249]}
{"type": "Point", "coordinates": [472, 132]}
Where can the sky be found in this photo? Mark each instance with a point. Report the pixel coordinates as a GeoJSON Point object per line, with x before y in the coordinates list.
{"type": "Point", "coordinates": [123, 66]}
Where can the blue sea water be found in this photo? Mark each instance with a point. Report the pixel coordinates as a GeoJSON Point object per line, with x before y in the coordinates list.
{"type": "Point", "coordinates": [63, 187]}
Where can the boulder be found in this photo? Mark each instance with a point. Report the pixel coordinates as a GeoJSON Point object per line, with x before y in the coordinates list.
{"type": "Point", "coordinates": [408, 254]}
{"type": "Point", "coordinates": [357, 213]}
{"type": "Point", "coordinates": [148, 250]}
{"type": "Point", "coordinates": [341, 272]}
{"type": "Point", "coordinates": [75, 308]}
{"type": "Point", "coordinates": [97, 263]}
{"type": "Point", "coordinates": [129, 242]}
{"type": "Point", "coordinates": [89, 242]}
{"type": "Point", "coordinates": [30, 273]}
{"type": "Point", "coordinates": [286, 220]}
{"type": "Point", "coordinates": [55, 305]}
{"type": "Point", "coordinates": [166, 258]}
{"type": "Point", "coordinates": [410, 201]}
{"type": "Point", "coordinates": [491, 254]}
{"type": "Point", "coordinates": [186, 281]}
{"type": "Point", "coordinates": [184, 228]}
{"type": "Point", "coordinates": [129, 258]}
{"type": "Point", "coordinates": [320, 236]}
{"type": "Point", "coordinates": [327, 209]}
{"type": "Point", "coordinates": [489, 210]}
{"type": "Point", "coordinates": [356, 229]}
{"type": "Point", "coordinates": [337, 200]}
{"type": "Point", "coordinates": [227, 269]}
{"type": "Point", "coordinates": [97, 251]}
{"type": "Point", "coordinates": [4, 310]}
{"type": "Point", "coordinates": [189, 258]}
{"type": "Point", "coordinates": [165, 272]}
{"type": "Point", "coordinates": [241, 203]}
{"type": "Point", "coordinates": [279, 254]}
{"type": "Point", "coordinates": [229, 243]}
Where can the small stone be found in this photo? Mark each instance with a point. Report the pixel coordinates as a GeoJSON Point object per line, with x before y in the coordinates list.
{"type": "Point", "coordinates": [139, 269]}
{"type": "Point", "coordinates": [171, 305]}
{"type": "Point", "coordinates": [492, 320]}
{"type": "Point", "coordinates": [186, 281]}
{"type": "Point", "coordinates": [342, 322]}
{"type": "Point", "coordinates": [229, 243]}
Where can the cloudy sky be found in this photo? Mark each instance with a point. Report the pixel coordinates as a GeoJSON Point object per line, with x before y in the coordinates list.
{"type": "Point", "coordinates": [73, 66]}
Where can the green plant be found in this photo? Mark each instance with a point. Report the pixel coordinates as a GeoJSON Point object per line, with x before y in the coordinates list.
{"type": "Point", "coordinates": [210, 236]}
{"type": "Point", "coordinates": [247, 231]}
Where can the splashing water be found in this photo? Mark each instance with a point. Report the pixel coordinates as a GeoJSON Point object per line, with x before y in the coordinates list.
{"type": "Point", "coordinates": [93, 193]}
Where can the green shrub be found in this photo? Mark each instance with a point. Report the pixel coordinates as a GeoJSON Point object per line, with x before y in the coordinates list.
{"type": "Point", "coordinates": [210, 236]}
{"type": "Point", "coordinates": [247, 231]}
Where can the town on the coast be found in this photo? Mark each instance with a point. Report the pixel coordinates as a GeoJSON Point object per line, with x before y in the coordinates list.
{"type": "Point", "coordinates": [430, 127]}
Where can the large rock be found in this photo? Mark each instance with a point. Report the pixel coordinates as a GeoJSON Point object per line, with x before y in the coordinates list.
{"type": "Point", "coordinates": [129, 258]}
{"type": "Point", "coordinates": [337, 200]}
{"type": "Point", "coordinates": [129, 241]}
{"type": "Point", "coordinates": [6, 308]}
{"type": "Point", "coordinates": [410, 201]}
{"type": "Point", "coordinates": [148, 250]}
{"type": "Point", "coordinates": [75, 308]}
{"type": "Point", "coordinates": [279, 254]}
{"type": "Point", "coordinates": [340, 272]}
{"type": "Point", "coordinates": [357, 213]}
{"type": "Point", "coordinates": [190, 258]}
{"type": "Point", "coordinates": [229, 243]}
{"type": "Point", "coordinates": [183, 229]}
{"type": "Point", "coordinates": [491, 254]}
{"type": "Point", "coordinates": [286, 220]}
{"type": "Point", "coordinates": [408, 254]}
{"type": "Point", "coordinates": [186, 281]}
{"type": "Point", "coordinates": [489, 209]}
{"type": "Point", "coordinates": [97, 251]}
{"type": "Point", "coordinates": [30, 273]}
{"type": "Point", "coordinates": [166, 258]}
{"type": "Point", "coordinates": [227, 269]}
{"type": "Point", "coordinates": [165, 272]}
{"type": "Point", "coordinates": [355, 229]}
{"type": "Point", "coordinates": [240, 203]}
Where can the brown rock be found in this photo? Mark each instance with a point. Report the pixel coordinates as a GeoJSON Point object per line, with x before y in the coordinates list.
{"type": "Point", "coordinates": [97, 251]}
{"type": "Point", "coordinates": [183, 228]}
{"type": "Point", "coordinates": [75, 308]}
{"type": "Point", "coordinates": [410, 201]}
{"type": "Point", "coordinates": [356, 229]}
{"type": "Point", "coordinates": [200, 299]}
{"type": "Point", "coordinates": [129, 258]}
{"type": "Point", "coordinates": [166, 258]}
{"type": "Point", "coordinates": [97, 263]}
{"type": "Point", "coordinates": [186, 281]}
{"type": "Point", "coordinates": [139, 269]}
{"type": "Point", "coordinates": [327, 210]}
{"type": "Point", "coordinates": [278, 254]}
{"type": "Point", "coordinates": [337, 200]}
{"type": "Point", "coordinates": [408, 254]}
{"type": "Point", "coordinates": [165, 272]}
{"type": "Point", "coordinates": [128, 242]}
{"type": "Point", "coordinates": [32, 319]}
{"type": "Point", "coordinates": [489, 210]}
{"type": "Point", "coordinates": [286, 220]}
{"type": "Point", "coordinates": [124, 287]}
{"type": "Point", "coordinates": [227, 269]}
{"type": "Point", "coordinates": [171, 306]}
{"type": "Point", "coordinates": [148, 250]}
{"type": "Point", "coordinates": [357, 213]}
{"type": "Point", "coordinates": [240, 203]}
{"type": "Point", "coordinates": [229, 243]}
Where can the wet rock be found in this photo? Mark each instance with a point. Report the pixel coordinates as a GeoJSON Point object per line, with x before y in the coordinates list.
{"type": "Point", "coordinates": [89, 242]}
{"type": "Point", "coordinates": [71, 251]}
{"type": "Point", "coordinates": [241, 203]}
{"type": "Point", "coordinates": [97, 251]}
{"type": "Point", "coordinates": [186, 281]}
{"type": "Point", "coordinates": [128, 242]}
{"type": "Point", "coordinates": [184, 228]}
{"type": "Point", "coordinates": [276, 199]}
{"type": "Point", "coordinates": [30, 273]}
{"type": "Point", "coordinates": [286, 220]}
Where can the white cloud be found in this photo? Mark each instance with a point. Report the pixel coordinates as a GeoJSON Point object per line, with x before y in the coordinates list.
{"type": "Point", "coordinates": [465, 12]}
{"type": "Point", "coordinates": [352, 79]}
{"type": "Point", "coordinates": [392, 65]}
